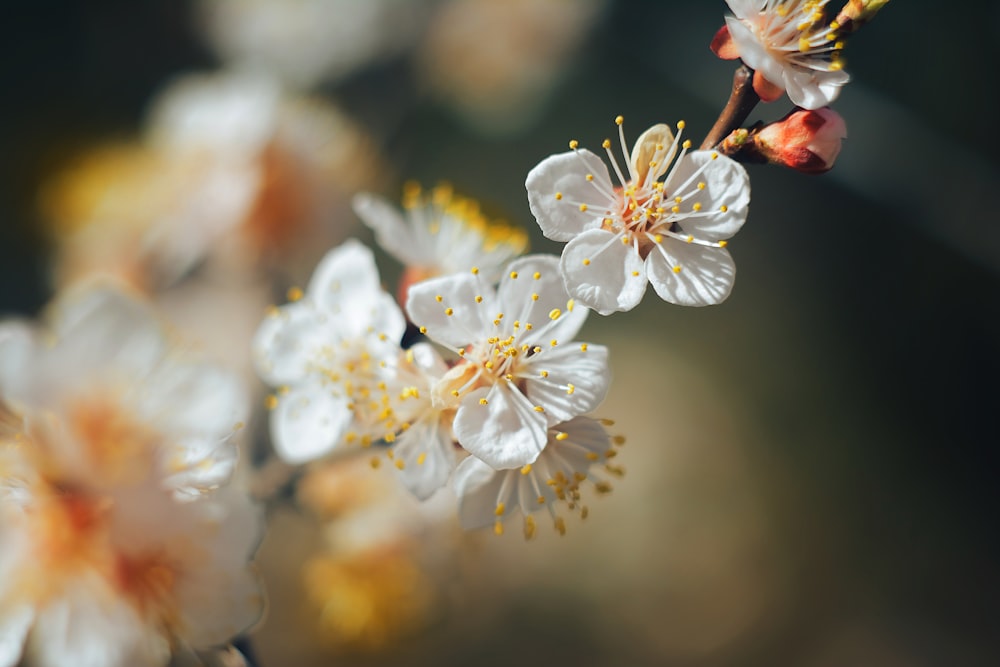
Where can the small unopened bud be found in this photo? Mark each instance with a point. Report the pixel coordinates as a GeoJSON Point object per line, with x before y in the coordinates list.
{"type": "Point", "coordinates": [858, 12]}
{"type": "Point", "coordinates": [804, 140]}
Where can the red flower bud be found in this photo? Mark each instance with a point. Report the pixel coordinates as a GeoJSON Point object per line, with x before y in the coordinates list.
{"type": "Point", "coordinates": [807, 141]}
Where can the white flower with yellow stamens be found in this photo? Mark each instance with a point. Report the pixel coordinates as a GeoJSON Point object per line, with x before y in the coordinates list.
{"type": "Point", "coordinates": [671, 232]}
{"type": "Point", "coordinates": [789, 45]}
{"type": "Point", "coordinates": [520, 372]}
{"type": "Point", "coordinates": [487, 496]}
{"type": "Point", "coordinates": [106, 395]}
{"type": "Point", "coordinates": [329, 353]}
{"type": "Point", "coordinates": [440, 234]}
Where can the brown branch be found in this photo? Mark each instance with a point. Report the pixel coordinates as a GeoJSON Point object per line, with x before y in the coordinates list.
{"type": "Point", "coordinates": [742, 101]}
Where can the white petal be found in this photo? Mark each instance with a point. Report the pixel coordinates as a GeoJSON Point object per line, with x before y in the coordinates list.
{"type": "Point", "coordinates": [308, 423]}
{"type": "Point", "coordinates": [16, 347]}
{"type": "Point", "coordinates": [753, 53]}
{"type": "Point", "coordinates": [603, 273]}
{"type": "Point", "coordinates": [706, 276]}
{"type": "Point", "coordinates": [428, 455]}
{"type": "Point", "coordinates": [566, 174]}
{"type": "Point", "coordinates": [288, 342]}
{"type": "Point", "coordinates": [587, 372]}
{"type": "Point", "coordinates": [506, 432]}
{"type": "Point", "coordinates": [102, 329]}
{"type": "Point", "coordinates": [726, 184]}
{"type": "Point", "coordinates": [195, 399]}
{"type": "Point", "coordinates": [14, 625]}
{"type": "Point", "coordinates": [458, 292]}
{"type": "Point", "coordinates": [89, 626]}
{"type": "Point", "coordinates": [391, 231]}
{"type": "Point", "coordinates": [813, 90]}
{"type": "Point", "coordinates": [517, 296]}
{"type": "Point", "coordinates": [426, 358]}
{"type": "Point", "coordinates": [477, 486]}
{"type": "Point", "coordinates": [345, 280]}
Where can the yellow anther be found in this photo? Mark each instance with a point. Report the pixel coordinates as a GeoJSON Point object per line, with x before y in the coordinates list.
{"type": "Point", "coordinates": [544, 374]}
{"type": "Point", "coordinates": [586, 262]}
{"type": "Point", "coordinates": [390, 438]}
{"type": "Point", "coordinates": [591, 456]}
{"type": "Point", "coordinates": [553, 342]}
{"type": "Point", "coordinates": [583, 208]}
{"type": "Point", "coordinates": [677, 269]}
{"type": "Point", "coordinates": [686, 144]}
{"type": "Point", "coordinates": [423, 330]}
{"type": "Point", "coordinates": [635, 274]}
{"type": "Point", "coordinates": [500, 509]}
{"type": "Point", "coordinates": [681, 125]}
{"type": "Point", "coordinates": [697, 206]}
{"type": "Point", "coordinates": [583, 347]}
{"type": "Point", "coordinates": [560, 525]}
{"type": "Point", "coordinates": [554, 314]}
{"type": "Point", "coordinates": [513, 275]}
{"type": "Point", "coordinates": [449, 312]}
{"type": "Point", "coordinates": [573, 144]}
{"type": "Point", "coordinates": [723, 244]}
{"type": "Point", "coordinates": [375, 462]}
{"type": "Point", "coordinates": [498, 529]}
{"type": "Point", "coordinates": [584, 512]}
{"type": "Point", "coordinates": [475, 270]}
{"type": "Point", "coordinates": [570, 303]}
{"type": "Point", "coordinates": [454, 392]}
{"type": "Point", "coordinates": [421, 458]}
{"type": "Point", "coordinates": [539, 408]}
{"type": "Point", "coordinates": [608, 422]}
{"type": "Point", "coordinates": [701, 185]}
{"type": "Point", "coordinates": [606, 143]}
{"type": "Point", "coordinates": [438, 298]}
{"type": "Point", "coordinates": [489, 364]}
{"type": "Point", "coordinates": [526, 468]}
{"type": "Point", "coordinates": [483, 401]}
{"type": "Point", "coordinates": [295, 293]}
{"type": "Point", "coordinates": [534, 297]}
{"type": "Point", "coordinates": [561, 435]}
{"type": "Point", "coordinates": [715, 156]}
{"type": "Point", "coordinates": [723, 208]}
{"type": "Point", "coordinates": [479, 299]}
{"type": "Point", "coordinates": [689, 239]}
{"type": "Point", "coordinates": [590, 177]}
{"type": "Point", "coordinates": [271, 402]}
{"type": "Point", "coordinates": [399, 464]}
{"type": "Point", "coordinates": [625, 240]}
{"type": "Point", "coordinates": [619, 120]}
{"type": "Point", "coordinates": [570, 388]}
{"type": "Point", "coordinates": [804, 44]}
{"type": "Point", "coordinates": [558, 196]}
{"type": "Point", "coordinates": [657, 238]}
{"type": "Point", "coordinates": [675, 209]}
{"type": "Point", "coordinates": [529, 527]}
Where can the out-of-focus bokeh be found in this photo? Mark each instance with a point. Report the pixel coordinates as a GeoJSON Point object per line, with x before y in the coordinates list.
{"type": "Point", "coordinates": [811, 466]}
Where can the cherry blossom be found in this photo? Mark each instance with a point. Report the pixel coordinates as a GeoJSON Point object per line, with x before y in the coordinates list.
{"type": "Point", "coordinates": [671, 232]}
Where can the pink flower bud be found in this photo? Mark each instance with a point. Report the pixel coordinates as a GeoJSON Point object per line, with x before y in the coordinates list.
{"type": "Point", "coordinates": [807, 141]}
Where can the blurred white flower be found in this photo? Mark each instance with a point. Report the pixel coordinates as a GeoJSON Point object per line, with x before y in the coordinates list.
{"type": "Point", "coordinates": [440, 234]}
{"type": "Point", "coordinates": [488, 496]}
{"type": "Point", "coordinates": [118, 544]}
{"type": "Point", "coordinates": [790, 47]}
{"type": "Point", "coordinates": [232, 169]}
{"type": "Point", "coordinates": [329, 354]}
{"type": "Point", "coordinates": [670, 233]}
{"type": "Point", "coordinates": [118, 575]}
{"type": "Point", "coordinates": [307, 42]}
{"type": "Point", "coordinates": [496, 64]}
{"type": "Point", "coordinates": [104, 394]}
{"type": "Point", "coordinates": [520, 371]}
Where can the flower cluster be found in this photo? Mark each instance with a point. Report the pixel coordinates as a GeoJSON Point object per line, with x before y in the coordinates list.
{"type": "Point", "coordinates": [126, 534]}
{"type": "Point", "coordinates": [119, 541]}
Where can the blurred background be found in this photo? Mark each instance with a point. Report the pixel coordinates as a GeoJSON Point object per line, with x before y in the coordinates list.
{"type": "Point", "coordinates": [811, 466]}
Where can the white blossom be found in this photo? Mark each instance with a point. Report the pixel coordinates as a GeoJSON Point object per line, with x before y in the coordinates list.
{"type": "Point", "coordinates": [789, 45]}
{"type": "Point", "coordinates": [520, 371]}
{"type": "Point", "coordinates": [553, 482]}
{"type": "Point", "coordinates": [671, 232]}
{"type": "Point", "coordinates": [329, 354]}
{"type": "Point", "coordinates": [440, 234]}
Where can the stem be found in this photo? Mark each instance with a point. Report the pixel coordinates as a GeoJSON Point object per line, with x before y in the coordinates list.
{"type": "Point", "coordinates": [742, 101]}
